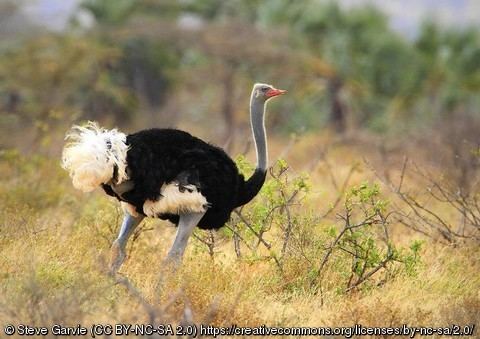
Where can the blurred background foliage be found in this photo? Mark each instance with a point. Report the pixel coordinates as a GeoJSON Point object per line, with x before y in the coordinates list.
{"type": "Point", "coordinates": [145, 63]}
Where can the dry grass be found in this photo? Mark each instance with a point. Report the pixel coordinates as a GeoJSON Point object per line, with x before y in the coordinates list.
{"type": "Point", "coordinates": [54, 248]}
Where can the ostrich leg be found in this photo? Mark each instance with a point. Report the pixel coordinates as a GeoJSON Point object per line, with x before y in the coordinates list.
{"type": "Point", "coordinates": [118, 247]}
{"type": "Point", "coordinates": [186, 224]}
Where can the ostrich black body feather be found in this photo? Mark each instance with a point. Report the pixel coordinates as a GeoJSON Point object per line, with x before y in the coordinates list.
{"type": "Point", "coordinates": [159, 156]}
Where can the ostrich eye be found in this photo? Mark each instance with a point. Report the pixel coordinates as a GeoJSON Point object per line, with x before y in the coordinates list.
{"type": "Point", "coordinates": [264, 89]}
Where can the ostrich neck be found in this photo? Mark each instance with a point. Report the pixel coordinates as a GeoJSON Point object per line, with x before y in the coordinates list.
{"type": "Point", "coordinates": [257, 120]}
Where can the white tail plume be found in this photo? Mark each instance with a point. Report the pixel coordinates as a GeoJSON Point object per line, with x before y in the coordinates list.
{"type": "Point", "coordinates": [91, 155]}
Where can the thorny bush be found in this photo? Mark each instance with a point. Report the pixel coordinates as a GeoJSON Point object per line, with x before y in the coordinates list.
{"type": "Point", "coordinates": [279, 226]}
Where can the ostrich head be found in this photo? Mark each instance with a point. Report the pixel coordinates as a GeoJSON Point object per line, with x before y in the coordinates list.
{"type": "Point", "coordinates": [264, 92]}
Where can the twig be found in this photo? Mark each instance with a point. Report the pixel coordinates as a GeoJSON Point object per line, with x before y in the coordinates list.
{"type": "Point", "coordinates": [340, 193]}
{"type": "Point", "coordinates": [242, 218]}
{"type": "Point", "coordinates": [402, 175]}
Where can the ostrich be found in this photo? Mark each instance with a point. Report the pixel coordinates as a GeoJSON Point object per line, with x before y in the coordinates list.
{"type": "Point", "coordinates": [167, 174]}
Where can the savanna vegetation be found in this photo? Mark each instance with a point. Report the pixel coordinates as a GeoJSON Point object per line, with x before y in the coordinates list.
{"type": "Point", "coordinates": [371, 210]}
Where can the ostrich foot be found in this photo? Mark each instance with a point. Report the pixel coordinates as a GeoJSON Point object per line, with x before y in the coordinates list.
{"type": "Point", "coordinates": [117, 257]}
{"type": "Point", "coordinates": [172, 262]}
{"type": "Point", "coordinates": [168, 268]}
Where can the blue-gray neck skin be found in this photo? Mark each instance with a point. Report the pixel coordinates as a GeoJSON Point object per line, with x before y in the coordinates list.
{"type": "Point", "coordinates": [257, 120]}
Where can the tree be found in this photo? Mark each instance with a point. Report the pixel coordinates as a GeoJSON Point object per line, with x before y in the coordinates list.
{"type": "Point", "coordinates": [233, 51]}
{"type": "Point", "coordinates": [366, 61]}
{"type": "Point", "coordinates": [148, 61]}
{"type": "Point", "coordinates": [449, 98]}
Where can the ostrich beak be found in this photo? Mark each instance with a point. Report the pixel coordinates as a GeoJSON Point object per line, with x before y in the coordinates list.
{"type": "Point", "coordinates": [273, 92]}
